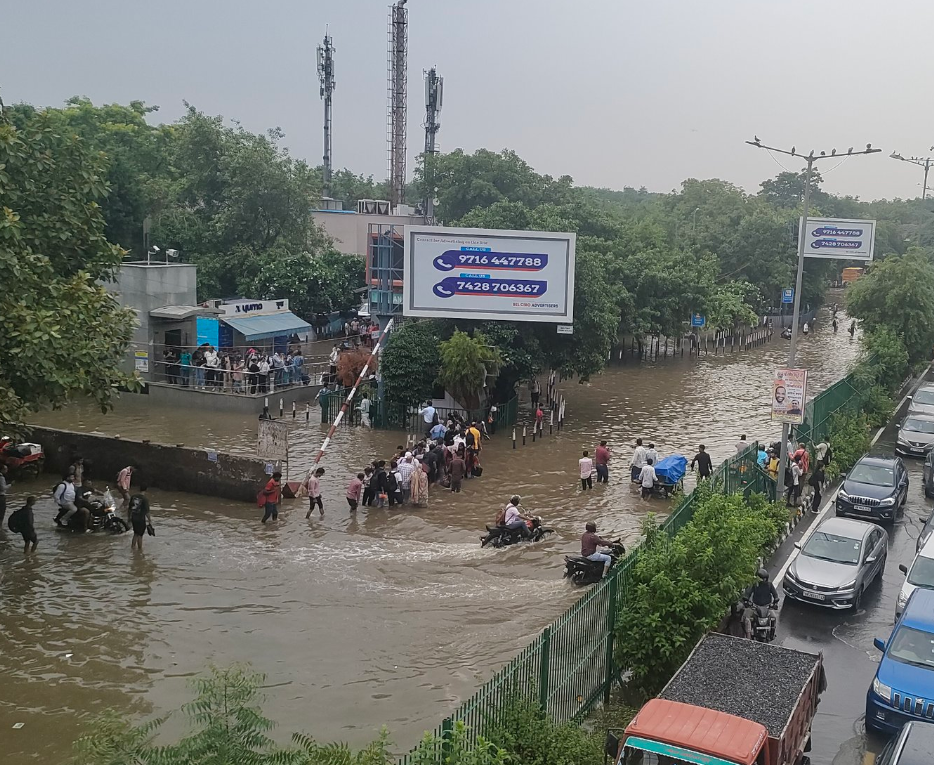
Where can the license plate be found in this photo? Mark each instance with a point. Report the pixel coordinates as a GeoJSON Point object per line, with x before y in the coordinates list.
{"type": "Point", "coordinates": [863, 509]}
{"type": "Point", "coordinates": [812, 595]}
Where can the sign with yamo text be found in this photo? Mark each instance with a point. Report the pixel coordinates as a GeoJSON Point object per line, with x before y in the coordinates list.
{"type": "Point", "coordinates": [253, 307]}
{"type": "Point", "coordinates": [789, 394]}
{"type": "Point", "coordinates": [475, 273]}
{"type": "Point", "coordinates": [839, 239]}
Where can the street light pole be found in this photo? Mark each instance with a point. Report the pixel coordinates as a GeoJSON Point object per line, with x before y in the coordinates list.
{"type": "Point", "coordinates": [924, 162]}
{"type": "Point", "coordinates": [799, 276]}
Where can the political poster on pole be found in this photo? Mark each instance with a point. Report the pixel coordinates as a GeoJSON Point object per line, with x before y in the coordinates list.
{"type": "Point", "coordinates": [789, 395]}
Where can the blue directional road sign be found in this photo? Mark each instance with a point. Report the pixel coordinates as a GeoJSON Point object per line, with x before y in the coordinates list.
{"type": "Point", "coordinates": [788, 295]}
{"type": "Point", "coordinates": [698, 320]}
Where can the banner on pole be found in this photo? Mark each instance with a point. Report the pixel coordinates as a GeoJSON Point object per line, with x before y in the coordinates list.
{"type": "Point", "coordinates": [789, 394]}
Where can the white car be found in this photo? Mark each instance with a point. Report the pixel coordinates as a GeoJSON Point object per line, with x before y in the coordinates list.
{"type": "Point", "coordinates": [921, 574]}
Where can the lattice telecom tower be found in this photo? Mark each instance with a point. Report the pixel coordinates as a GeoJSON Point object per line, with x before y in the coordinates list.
{"type": "Point", "coordinates": [326, 76]}
{"type": "Point", "coordinates": [434, 95]}
{"type": "Point", "coordinates": [398, 85]}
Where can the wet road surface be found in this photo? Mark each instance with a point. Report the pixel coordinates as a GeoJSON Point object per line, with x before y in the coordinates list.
{"type": "Point", "coordinates": [391, 618]}
{"type": "Point", "coordinates": [845, 638]}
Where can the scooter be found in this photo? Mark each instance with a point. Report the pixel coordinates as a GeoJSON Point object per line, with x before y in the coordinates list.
{"type": "Point", "coordinates": [503, 536]}
{"type": "Point", "coordinates": [583, 571]}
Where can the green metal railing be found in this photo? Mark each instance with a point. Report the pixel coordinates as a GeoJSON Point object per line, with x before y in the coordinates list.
{"type": "Point", "coordinates": [569, 668]}
{"type": "Point", "coordinates": [844, 395]}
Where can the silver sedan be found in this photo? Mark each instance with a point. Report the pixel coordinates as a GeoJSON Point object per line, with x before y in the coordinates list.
{"type": "Point", "coordinates": [837, 563]}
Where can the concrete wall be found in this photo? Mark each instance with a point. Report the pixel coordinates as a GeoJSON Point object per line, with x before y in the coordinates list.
{"type": "Point", "coordinates": [350, 230]}
{"type": "Point", "coordinates": [172, 468]}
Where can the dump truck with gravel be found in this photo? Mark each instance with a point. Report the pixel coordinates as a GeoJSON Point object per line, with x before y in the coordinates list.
{"type": "Point", "coordinates": [733, 702]}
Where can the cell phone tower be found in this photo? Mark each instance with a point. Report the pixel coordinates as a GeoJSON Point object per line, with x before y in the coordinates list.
{"type": "Point", "coordinates": [326, 76]}
{"type": "Point", "coordinates": [398, 86]}
{"type": "Point", "coordinates": [434, 96]}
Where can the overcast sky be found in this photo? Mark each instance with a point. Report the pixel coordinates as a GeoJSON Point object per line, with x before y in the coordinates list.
{"type": "Point", "coordinates": [613, 93]}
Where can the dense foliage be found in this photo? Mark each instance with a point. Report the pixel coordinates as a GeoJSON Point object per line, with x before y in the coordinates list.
{"type": "Point", "coordinates": [63, 334]}
{"type": "Point", "coordinates": [682, 586]}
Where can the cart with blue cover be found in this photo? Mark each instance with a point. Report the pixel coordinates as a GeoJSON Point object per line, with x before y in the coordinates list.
{"type": "Point", "coordinates": [669, 475]}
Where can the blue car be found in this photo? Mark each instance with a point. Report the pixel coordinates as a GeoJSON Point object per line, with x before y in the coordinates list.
{"type": "Point", "coordinates": [903, 688]}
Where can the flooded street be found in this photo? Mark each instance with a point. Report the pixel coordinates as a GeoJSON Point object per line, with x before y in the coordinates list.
{"type": "Point", "coordinates": [390, 618]}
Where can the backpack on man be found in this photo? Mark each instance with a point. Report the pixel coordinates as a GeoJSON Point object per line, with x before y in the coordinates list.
{"type": "Point", "coordinates": [13, 522]}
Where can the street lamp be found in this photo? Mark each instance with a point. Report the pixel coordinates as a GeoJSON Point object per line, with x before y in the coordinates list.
{"type": "Point", "coordinates": [810, 158]}
{"type": "Point", "coordinates": [924, 162]}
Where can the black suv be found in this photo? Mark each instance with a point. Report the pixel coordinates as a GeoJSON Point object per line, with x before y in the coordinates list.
{"type": "Point", "coordinates": [875, 488]}
{"type": "Point", "coordinates": [914, 745]}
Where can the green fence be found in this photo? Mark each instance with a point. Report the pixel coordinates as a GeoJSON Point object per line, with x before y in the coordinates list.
{"type": "Point", "coordinates": [569, 668]}
{"type": "Point", "coordinates": [844, 395]}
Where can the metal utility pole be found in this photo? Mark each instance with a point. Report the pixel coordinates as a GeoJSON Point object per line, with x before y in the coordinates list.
{"type": "Point", "coordinates": [326, 76]}
{"type": "Point", "coordinates": [924, 162]}
{"type": "Point", "coordinates": [434, 96]}
{"type": "Point", "coordinates": [792, 349]}
{"type": "Point", "coordinates": [398, 87]}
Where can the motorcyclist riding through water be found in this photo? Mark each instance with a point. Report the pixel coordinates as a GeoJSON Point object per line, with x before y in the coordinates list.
{"type": "Point", "coordinates": [762, 593]}
{"type": "Point", "coordinates": [589, 544]}
{"type": "Point", "coordinates": [516, 520]}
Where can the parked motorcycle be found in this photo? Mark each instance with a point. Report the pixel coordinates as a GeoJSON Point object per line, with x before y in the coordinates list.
{"type": "Point", "coordinates": [23, 460]}
{"type": "Point", "coordinates": [503, 536]}
{"type": "Point", "coordinates": [583, 571]}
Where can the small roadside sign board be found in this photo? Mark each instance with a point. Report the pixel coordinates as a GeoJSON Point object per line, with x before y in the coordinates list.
{"type": "Point", "coordinates": [788, 295]}
{"type": "Point", "coordinates": [698, 320]}
{"type": "Point", "coordinates": [565, 329]}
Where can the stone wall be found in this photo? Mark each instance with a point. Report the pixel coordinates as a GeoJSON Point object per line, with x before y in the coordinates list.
{"type": "Point", "coordinates": [172, 468]}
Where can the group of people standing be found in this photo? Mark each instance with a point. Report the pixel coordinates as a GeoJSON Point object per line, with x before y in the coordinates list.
{"type": "Point", "coordinates": [206, 368]}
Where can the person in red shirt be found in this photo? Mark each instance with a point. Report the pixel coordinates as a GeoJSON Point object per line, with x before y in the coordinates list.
{"type": "Point", "coordinates": [354, 492]}
{"type": "Point", "coordinates": [539, 419]}
{"type": "Point", "coordinates": [601, 459]}
{"type": "Point", "coordinates": [271, 495]}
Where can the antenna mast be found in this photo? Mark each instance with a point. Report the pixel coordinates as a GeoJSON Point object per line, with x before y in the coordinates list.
{"type": "Point", "coordinates": [434, 95]}
{"type": "Point", "coordinates": [398, 71]}
{"type": "Point", "coordinates": [326, 76]}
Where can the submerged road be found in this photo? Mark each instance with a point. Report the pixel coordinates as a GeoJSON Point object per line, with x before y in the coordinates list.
{"type": "Point", "coordinates": [845, 638]}
{"type": "Point", "coordinates": [390, 618]}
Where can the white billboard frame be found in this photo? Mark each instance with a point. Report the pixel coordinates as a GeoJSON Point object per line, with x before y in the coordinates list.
{"type": "Point", "coordinates": [413, 306]}
{"type": "Point", "coordinates": [863, 253]}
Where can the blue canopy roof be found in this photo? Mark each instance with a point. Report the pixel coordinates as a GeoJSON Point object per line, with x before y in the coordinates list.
{"type": "Point", "coordinates": [267, 326]}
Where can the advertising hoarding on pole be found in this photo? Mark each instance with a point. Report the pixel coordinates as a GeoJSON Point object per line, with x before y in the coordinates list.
{"type": "Point", "coordinates": [839, 239]}
{"type": "Point", "coordinates": [789, 395]}
{"type": "Point", "coordinates": [489, 274]}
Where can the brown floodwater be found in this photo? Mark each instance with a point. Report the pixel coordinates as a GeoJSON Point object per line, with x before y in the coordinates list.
{"type": "Point", "coordinates": [392, 618]}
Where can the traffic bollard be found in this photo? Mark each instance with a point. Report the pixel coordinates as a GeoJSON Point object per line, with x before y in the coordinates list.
{"type": "Point", "coordinates": [551, 423]}
{"type": "Point", "coordinates": [513, 438]}
{"type": "Point", "coordinates": [523, 435]}
{"type": "Point", "coordinates": [293, 410]}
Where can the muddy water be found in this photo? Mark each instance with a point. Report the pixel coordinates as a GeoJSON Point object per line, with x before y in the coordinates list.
{"type": "Point", "coordinates": [390, 618]}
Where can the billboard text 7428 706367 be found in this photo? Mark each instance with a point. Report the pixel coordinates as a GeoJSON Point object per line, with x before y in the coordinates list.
{"type": "Point", "coordinates": [489, 274]}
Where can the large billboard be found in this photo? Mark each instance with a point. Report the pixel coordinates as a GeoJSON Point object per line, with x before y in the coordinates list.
{"type": "Point", "coordinates": [476, 273]}
{"type": "Point", "coordinates": [839, 239]}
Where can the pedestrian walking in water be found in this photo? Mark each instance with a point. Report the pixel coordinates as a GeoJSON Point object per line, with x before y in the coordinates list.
{"type": "Point", "coordinates": [354, 492]}
{"type": "Point", "coordinates": [601, 460]}
{"type": "Point", "coordinates": [420, 486]}
{"type": "Point", "coordinates": [23, 522]}
{"type": "Point", "coordinates": [586, 466]}
{"type": "Point", "coordinates": [702, 460]}
{"type": "Point", "coordinates": [4, 485]}
{"type": "Point", "coordinates": [651, 454]}
{"type": "Point", "coordinates": [313, 487]}
{"type": "Point", "coordinates": [369, 487]}
{"type": "Point", "coordinates": [647, 478]}
{"type": "Point", "coordinates": [539, 419]}
{"type": "Point", "coordinates": [365, 411]}
{"type": "Point", "coordinates": [139, 518]}
{"type": "Point", "coordinates": [270, 497]}
{"type": "Point", "coordinates": [458, 470]}
{"type": "Point", "coordinates": [852, 327]}
{"type": "Point", "coordinates": [834, 324]}
{"type": "Point", "coordinates": [124, 478]}
{"type": "Point", "coordinates": [535, 390]}
{"type": "Point", "coordinates": [638, 461]}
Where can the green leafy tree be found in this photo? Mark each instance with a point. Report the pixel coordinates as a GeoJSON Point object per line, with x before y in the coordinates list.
{"type": "Point", "coordinates": [898, 293]}
{"type": "Point", "coordinates": [786, 190]}
{"type": "Point", "coordinates": [350, 187]}
{"type": "Point", "coordinates": [410, 362]}
{"type": "Point", "coordinates": [64, 335]}
{"type": "Point", "coordinates": [468, 365]}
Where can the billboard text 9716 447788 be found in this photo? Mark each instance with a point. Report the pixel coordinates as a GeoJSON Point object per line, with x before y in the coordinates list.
{"type": "Point", "coordinates": [474, 273]}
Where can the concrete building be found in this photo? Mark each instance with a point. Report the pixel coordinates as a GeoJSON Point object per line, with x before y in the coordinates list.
{"type": "Point", "coordinates": [350, 229]}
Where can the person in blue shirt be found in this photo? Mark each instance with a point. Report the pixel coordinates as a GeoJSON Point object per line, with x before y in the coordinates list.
{"type": "Point", "coordinates": [437, 432]}
{"type": "Point", "coordinates": [762, 458]}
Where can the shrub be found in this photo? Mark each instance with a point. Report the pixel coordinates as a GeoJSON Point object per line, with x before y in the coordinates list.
{"type": "Point", "coordinates": [849, 437]}
{"type": "Point", "coordinates": [682, 587]}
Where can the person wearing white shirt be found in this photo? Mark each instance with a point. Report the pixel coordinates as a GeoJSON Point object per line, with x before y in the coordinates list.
{"type": "Point", "coordinates": [586, 465]}
{"type": "Point", "coordinates": [647, 479]}
{"type": "Point", "coordinates": [742, 444]}
{"type": "Point", "coordinates": [651, 454]}
{"type": "Point", "coordinates": [515, 520]}
{"type": "Point", "coordinates": [428, 415]}
{"type": "Point", "coordinates": [638, 460]}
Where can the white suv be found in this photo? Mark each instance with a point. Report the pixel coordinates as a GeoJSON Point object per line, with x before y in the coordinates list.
{"type": "Point", "coordinates": [921, 574]}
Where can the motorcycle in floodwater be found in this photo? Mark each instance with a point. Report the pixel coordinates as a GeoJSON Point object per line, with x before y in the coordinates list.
{"type": "Point", "coordinates": [583, 571]}
{"type": "Point", "coordinates": [103, 515]}
{"type": "Point", "coordinates": [503, 536]}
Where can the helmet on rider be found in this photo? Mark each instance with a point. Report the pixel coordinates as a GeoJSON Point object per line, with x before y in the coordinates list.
{"type": "Point", "coordinates": [591, 527]}
{"type": "Point", "coordinates": [762, 574]}
{"type": "Point", "coordinates": [515, 499]}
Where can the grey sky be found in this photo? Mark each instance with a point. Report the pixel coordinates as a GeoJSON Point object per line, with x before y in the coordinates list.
{"type": "Point", "coordinates": [612, 93]}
